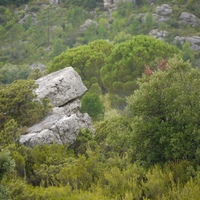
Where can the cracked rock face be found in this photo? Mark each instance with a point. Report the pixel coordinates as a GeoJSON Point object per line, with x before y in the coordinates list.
{"type": "Point", "coordinates": [164, 10]}
{"type": "Point", "coordinates": [193, 40]}
{"type": "Point", "coordinates": [110, 4]}
{"type": "Point", "coordinates": [189, 19]}
{"type": "Point", "coordinates": [87, 24]}
{"type": "Point", "coordinates": [63, 124]}
{"type": "Point", "coordinates": [61, 86]}
{"type": "Point", "coordinates": [158, 34]}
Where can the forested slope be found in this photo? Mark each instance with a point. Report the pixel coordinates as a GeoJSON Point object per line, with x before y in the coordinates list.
{"type": "Point", "coordinates": [143, 98]}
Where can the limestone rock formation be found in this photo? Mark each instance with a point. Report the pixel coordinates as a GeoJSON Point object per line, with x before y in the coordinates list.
{"type": "Point", "coordinates": [61, 86]}
{"type": "Point", "coordinates": [158, 34]}
{"type": "Point", "coordinates": [163, 12]}
{"type": "Point", "coordinates": [87, 24]}
{"type": "Point", "coordinates": [108, 4]}
{"type": "Point", "coordinates": [111, 4]}
{"type": "Point", "coordinates": [189, 19]}
{"type": "Point", "coordinates": [39, 66]}
{"type": "Point", "coordinates": [32, 16]}
{"type": "Point", "coordinates": [62, 125]}
{"type": "Point", "coordinates": [54, 2]}
{"type": "Point", "coordinates": [193, 40]}
{"type": "Point", "coordinates": [124, 1]}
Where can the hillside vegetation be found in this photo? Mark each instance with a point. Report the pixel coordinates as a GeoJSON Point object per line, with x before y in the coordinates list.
{"type": "Point", "coordinates": [143, 97]}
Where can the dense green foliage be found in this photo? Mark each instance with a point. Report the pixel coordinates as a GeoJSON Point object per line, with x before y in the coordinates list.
{"type": "Point", "coordinates": [87, 60]}
{"type": "Point", "coordinates": [92, 104]}
{"type": "Point", "coordinates": [45, 30]}
{"type": "Point", "coordinates": [115, 67]}
{"type": "Point", "coordinates": [18, 104]}
{"type": "Point", "coordinates": [7, 165]}
{"type": "Point", "coordinates": [114, 136]}
{"type": "Point", "coordinates": [165, 112]}
{"type": "Point", "coordinates": [41, 35]}
{"type": "Point", "coordinates": [150, 150]}
{"type": "Point", "coordinates": [9, 73]}
{"type": "Point", "coordinates": [127, 62]}
{"type": "Point", "coordinates": [15, 2]}
{"type": "Point", "coordinates": [88, 4]}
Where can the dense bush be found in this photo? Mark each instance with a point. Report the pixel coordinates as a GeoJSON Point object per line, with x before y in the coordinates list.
{"type": "Point", "coordinates": [92, 104]}
{"type": "Point", "coordinates": [149, 151]}
{"type": "Point", "coordinates": [18, 102]}
{"type": "Point", "coordinates": [11, 73]}
{"type": "Point", "coordinates": [165, 113]}
{"type": "Point", "coordinates": [14, 2]}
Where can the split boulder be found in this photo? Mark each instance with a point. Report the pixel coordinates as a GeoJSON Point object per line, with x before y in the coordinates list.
{"type": "Point", "coordinates": [63, 88]}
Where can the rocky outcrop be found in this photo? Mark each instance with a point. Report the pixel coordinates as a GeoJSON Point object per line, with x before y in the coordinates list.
{"type": "Point", "coordinates": [111, 4]}
{"type": "Point", "coordinates": [61, 87]}
{"type": "Point", "coordinates": [163, 12]}
{"type": "Point", "coordinates": [87, 24]}
{"type": "Point", "coordinates": [62, 125]}
{"type": "Point", "coordinates": [108, 4]}
{"type": "Point", "coordinates": [28, 16]}
{"type": "Point", "coordinates": [54, 2]}
{"type": "Point", "coordinates": [189, 19]}
{"type": "Point", "coordinates": [32, 16]}
{"type": "Point", "coordinates": [39, 66]}
{"type": "Point", "coordinates": [158, 34]}
{"type": "Point", "coordinates": [193, 40]}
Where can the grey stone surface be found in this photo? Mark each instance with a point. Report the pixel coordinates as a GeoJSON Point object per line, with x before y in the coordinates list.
{"type": "Point", "coordinates": [164, 10]}
{"type": "Point", "coordinates": [54, 2]}
{"type": "Point", "coordinates": [61, 86]}
{"type": "Point", "coordinates": [189, 19]}
{"type": "Point", "coordinates": [87, 24]}
{"type": "Point", "coordinates": [39, 66]}
{"type": "Point", "coordinates": [158, 34]}
{"type": "Point", "coordinates": [163, 13]}
{"type": "Point", "coordinates": [111, 4]}
{"type": "Point", "coordinates": [58, 128]}
{"type": "Point", "coordinates": [63, 124]}
{"type": "Point", "coordinates": [162, 18]}
{"type": "Point", "coordinates": [108, 4]}
{"type": "Point", "coordinates": [193, 40]}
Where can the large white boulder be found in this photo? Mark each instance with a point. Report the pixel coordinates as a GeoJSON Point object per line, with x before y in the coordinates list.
{"type": "Point", "coordinates": [63, 124]}
{"type": "Point", "coordinates": [164, 10]}
{"type": "Point", "coordinates": [61, 86]}
{"type": "Point", "coordinates": [158, 34]}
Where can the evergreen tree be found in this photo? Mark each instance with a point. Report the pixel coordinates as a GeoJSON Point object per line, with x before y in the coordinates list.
{"type": "Point", "coordinates": [18, 102]}
{"type": "Point", "coordinates": [165, 112]}
{"type": "Point", "coordinates": [127, 62]}
{"type": "Point", "coordinates": [91, 104]}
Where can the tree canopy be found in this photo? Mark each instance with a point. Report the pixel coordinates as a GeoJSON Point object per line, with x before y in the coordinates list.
{"type": "Point", "coordinates": [18, 101]}
{"type": "Point", "coordinates": [165, 112]}
{"type": "Point", "coordinates": [11, 73]}
{"type": "Point", "coordinates": [87, 60]}
{"type": "Point", "coordinates": [127, 62]}
{"type": "Point", "coordinates": [14, 2]}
